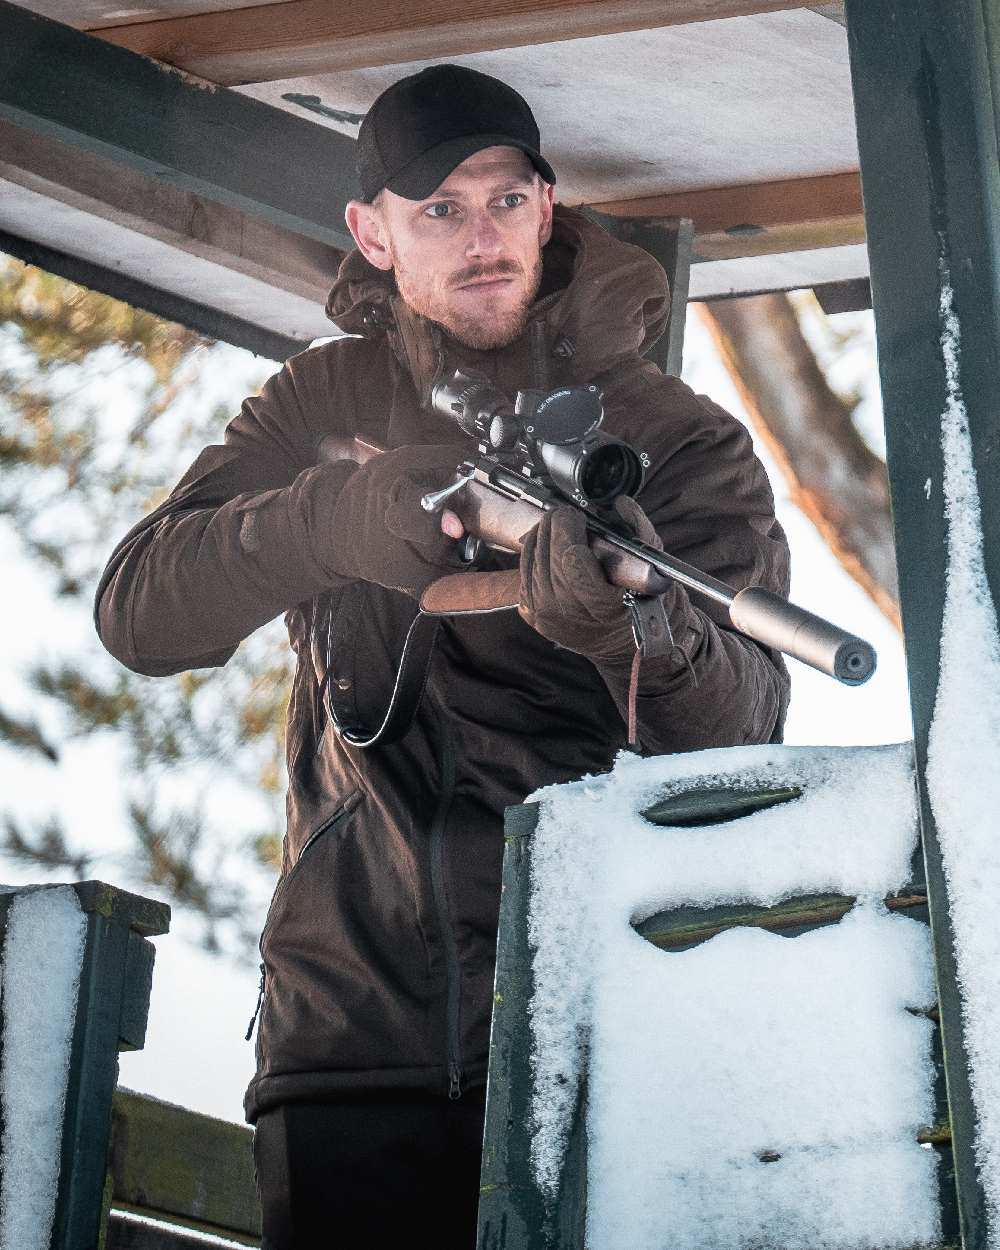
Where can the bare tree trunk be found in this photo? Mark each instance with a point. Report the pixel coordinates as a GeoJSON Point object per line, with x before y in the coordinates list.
{"type": "Point", "coordinates": [835, 478]}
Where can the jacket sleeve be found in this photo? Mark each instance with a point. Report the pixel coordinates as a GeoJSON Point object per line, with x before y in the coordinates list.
{"type": "Point", "coordinates": [237, 542]}
{"type": "Point", "coordinates": [709, 499]}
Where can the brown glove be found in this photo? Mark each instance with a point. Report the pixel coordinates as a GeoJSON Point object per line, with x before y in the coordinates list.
{"type": "Point", "coordinates": [565, 595]}
{"type": "Point", "coordinates": [378, 531]}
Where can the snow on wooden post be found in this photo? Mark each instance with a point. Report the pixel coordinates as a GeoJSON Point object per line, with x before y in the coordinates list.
{"type": "Point", "coordinates": [926, 83]}
{"type": "Point", "coordinates": [75, 975]}
{"type": "Point", "coordinates": [714, 1013]}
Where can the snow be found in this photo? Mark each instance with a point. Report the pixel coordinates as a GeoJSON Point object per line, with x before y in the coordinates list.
{"type": "Point", "coordinates": [698, 1062]}
{"type": "Point", "coordinates": [962, 777]}
{"type": "Point", "coordinates": [40, 978]}
{"type": "Point", "coordinates": [193, 1236]}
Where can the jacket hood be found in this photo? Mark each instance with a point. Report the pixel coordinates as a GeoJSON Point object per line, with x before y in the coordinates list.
{"type": "Point", "coordinates": [606, 300]}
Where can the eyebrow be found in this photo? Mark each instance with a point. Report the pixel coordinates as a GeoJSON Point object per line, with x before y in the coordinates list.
{"type": "Point", "coordinates": [518, 179]}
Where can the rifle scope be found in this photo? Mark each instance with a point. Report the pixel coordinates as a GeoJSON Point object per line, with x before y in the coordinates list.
{"type": "Point", "coordinates": [555, 432]}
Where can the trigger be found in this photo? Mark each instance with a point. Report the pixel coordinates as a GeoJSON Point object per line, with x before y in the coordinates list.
{"type": "Point", "coordinates": [468, 548]}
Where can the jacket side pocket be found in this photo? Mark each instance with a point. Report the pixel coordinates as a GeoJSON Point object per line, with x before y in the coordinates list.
{"type": "Point", "coordinates": [334, 821]}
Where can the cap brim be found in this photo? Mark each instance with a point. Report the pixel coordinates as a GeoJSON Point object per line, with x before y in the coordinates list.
{"type": "Point", "coordinates": [421, 178]}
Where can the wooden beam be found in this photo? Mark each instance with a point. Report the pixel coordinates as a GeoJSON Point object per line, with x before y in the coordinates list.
{"type": "Point", "coordinates": [760, 219]}
{"type": "Point", "coordinates": [180, 1166]}
{"type": "Point", "coordinates": [203, 318]}
{"type": "Point", "coordinates": [834, 11]}
{"type": "Point", "coordinates": [854, 295]}
{"type": "Point", "coordinates": [236, 151]}
{"type": "Point", "coordinates": [90, 185]}
{"type": "Point", "coordinates": [302, 37]}
{"type": "Point", "coordinates": [781, 271]}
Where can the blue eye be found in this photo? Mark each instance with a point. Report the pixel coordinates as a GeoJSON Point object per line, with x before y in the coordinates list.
{"type": "Point", "coordinates": [445, 210]}
{"type": "Point", "coordinates": [516, 196]}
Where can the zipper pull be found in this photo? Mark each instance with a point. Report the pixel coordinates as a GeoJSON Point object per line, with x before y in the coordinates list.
{"type": "Point", "coordinates": [256, 1010]}
{"type": "Point", "coordinates": [454, 1081]}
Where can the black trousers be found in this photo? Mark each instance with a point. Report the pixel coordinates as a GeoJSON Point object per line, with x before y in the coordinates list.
{"type": "Point", "coordinates": [371, 1170]}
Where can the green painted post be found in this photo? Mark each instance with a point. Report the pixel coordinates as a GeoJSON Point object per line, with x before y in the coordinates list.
{"type": "Point", "coordinates": [926, 83]}
{"type": "Point", "coordinates": [112, 1006]}
{"type": "Point", "coordinates": [513, 1212]}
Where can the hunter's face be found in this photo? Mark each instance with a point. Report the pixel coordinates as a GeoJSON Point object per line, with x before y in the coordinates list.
{"type": "Point", "coordinates": [470, 256]}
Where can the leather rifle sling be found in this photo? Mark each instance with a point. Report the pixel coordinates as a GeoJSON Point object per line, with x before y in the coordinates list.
{"type": "Point", "coordinates": [457, 594]}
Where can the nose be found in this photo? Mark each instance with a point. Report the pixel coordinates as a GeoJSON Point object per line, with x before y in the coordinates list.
{"type": "Point", "coordinates": [484, 240]}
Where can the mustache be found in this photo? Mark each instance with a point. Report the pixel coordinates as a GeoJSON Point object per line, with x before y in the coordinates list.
{"type": "Point", "coordinates": [501, 269]}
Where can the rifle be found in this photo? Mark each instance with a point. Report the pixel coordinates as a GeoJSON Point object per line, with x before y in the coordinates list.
{"type": "Point", "coordinates": [547, 449]}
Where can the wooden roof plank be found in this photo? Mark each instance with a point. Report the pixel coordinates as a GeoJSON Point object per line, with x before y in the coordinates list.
{"type": "Point", "coordinates": [759, 219]}
{"type": "Point", "coordinates": [783, 202]}
{"type": "Point", "coordinates": [105, 100]}
{"type": "Point", "coordinates": [119, 195]}
{"type": "Point", "coordinates": [302, 37]}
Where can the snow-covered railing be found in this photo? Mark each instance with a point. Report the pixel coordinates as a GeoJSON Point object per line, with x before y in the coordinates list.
{"type": "Point", "coordinates": [75, 975]}
{"type": "Point", "coordinates": [86, 1166]}
{"type": "Point", "coordinates": [715, 1013]}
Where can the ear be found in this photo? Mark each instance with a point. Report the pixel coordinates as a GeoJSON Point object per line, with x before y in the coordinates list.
{"type": "Point", "coordinates": [368, 229]}
{"type": "Point", "coordinates": [548, 200]}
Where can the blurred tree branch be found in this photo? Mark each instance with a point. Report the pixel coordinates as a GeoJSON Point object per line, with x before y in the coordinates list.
{"type": "Point", "coordinates": [45, 846]}
{"type": "Point", "coordinates": [24, 733]}
{"type": "Point", "coordinates": [91, 436]}
{"type": "Point", "coordinates": [833, 476]}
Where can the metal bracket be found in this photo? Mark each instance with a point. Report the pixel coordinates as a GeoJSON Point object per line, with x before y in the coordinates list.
{"type": "Point", "coordinates": [650, 624]}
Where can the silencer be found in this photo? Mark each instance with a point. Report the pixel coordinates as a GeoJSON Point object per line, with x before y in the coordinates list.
{"type": "Point", "coordinates": [777, 623]}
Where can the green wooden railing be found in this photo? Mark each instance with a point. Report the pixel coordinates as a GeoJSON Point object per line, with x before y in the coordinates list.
{"type": "Point", "coordinates": [125, 1155]}
{"type": "Point", "coordinates": [181, 1168]}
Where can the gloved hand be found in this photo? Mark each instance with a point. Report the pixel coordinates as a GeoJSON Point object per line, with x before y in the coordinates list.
{"type": "Point", "coordinates": [565, 595]}
{"type": "Point", "coordinates": [379, 532]}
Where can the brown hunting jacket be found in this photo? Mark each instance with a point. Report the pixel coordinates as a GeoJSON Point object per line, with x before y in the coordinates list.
{"type": "Point", "coordinates": [380, 941]}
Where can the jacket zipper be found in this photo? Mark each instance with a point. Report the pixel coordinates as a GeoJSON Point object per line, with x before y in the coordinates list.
{"type": "Point", "coordinates": [440, 890]}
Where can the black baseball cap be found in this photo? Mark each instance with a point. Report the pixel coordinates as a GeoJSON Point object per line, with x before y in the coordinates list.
{"type": "Point", "coordinates": [421, 127]}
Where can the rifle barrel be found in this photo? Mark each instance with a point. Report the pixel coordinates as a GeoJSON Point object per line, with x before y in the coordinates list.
{"type": "Point", "coordinates": [488, 511]}
{"type": "Point", "coordinates": [764, 616]}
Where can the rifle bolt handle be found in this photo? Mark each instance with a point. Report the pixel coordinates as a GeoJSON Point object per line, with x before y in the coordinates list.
{"type": "Point", "coordinates": [434, 500]}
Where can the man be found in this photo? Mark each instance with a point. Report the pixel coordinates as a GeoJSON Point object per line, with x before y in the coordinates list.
{"type": "Point", "coordinates": [379, 945]}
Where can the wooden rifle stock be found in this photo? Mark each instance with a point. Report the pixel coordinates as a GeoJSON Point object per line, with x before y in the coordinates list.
{"type": "Point", "coordinates": [501, 515]}
{"type": "Point", "coordinates": [502, 522]}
